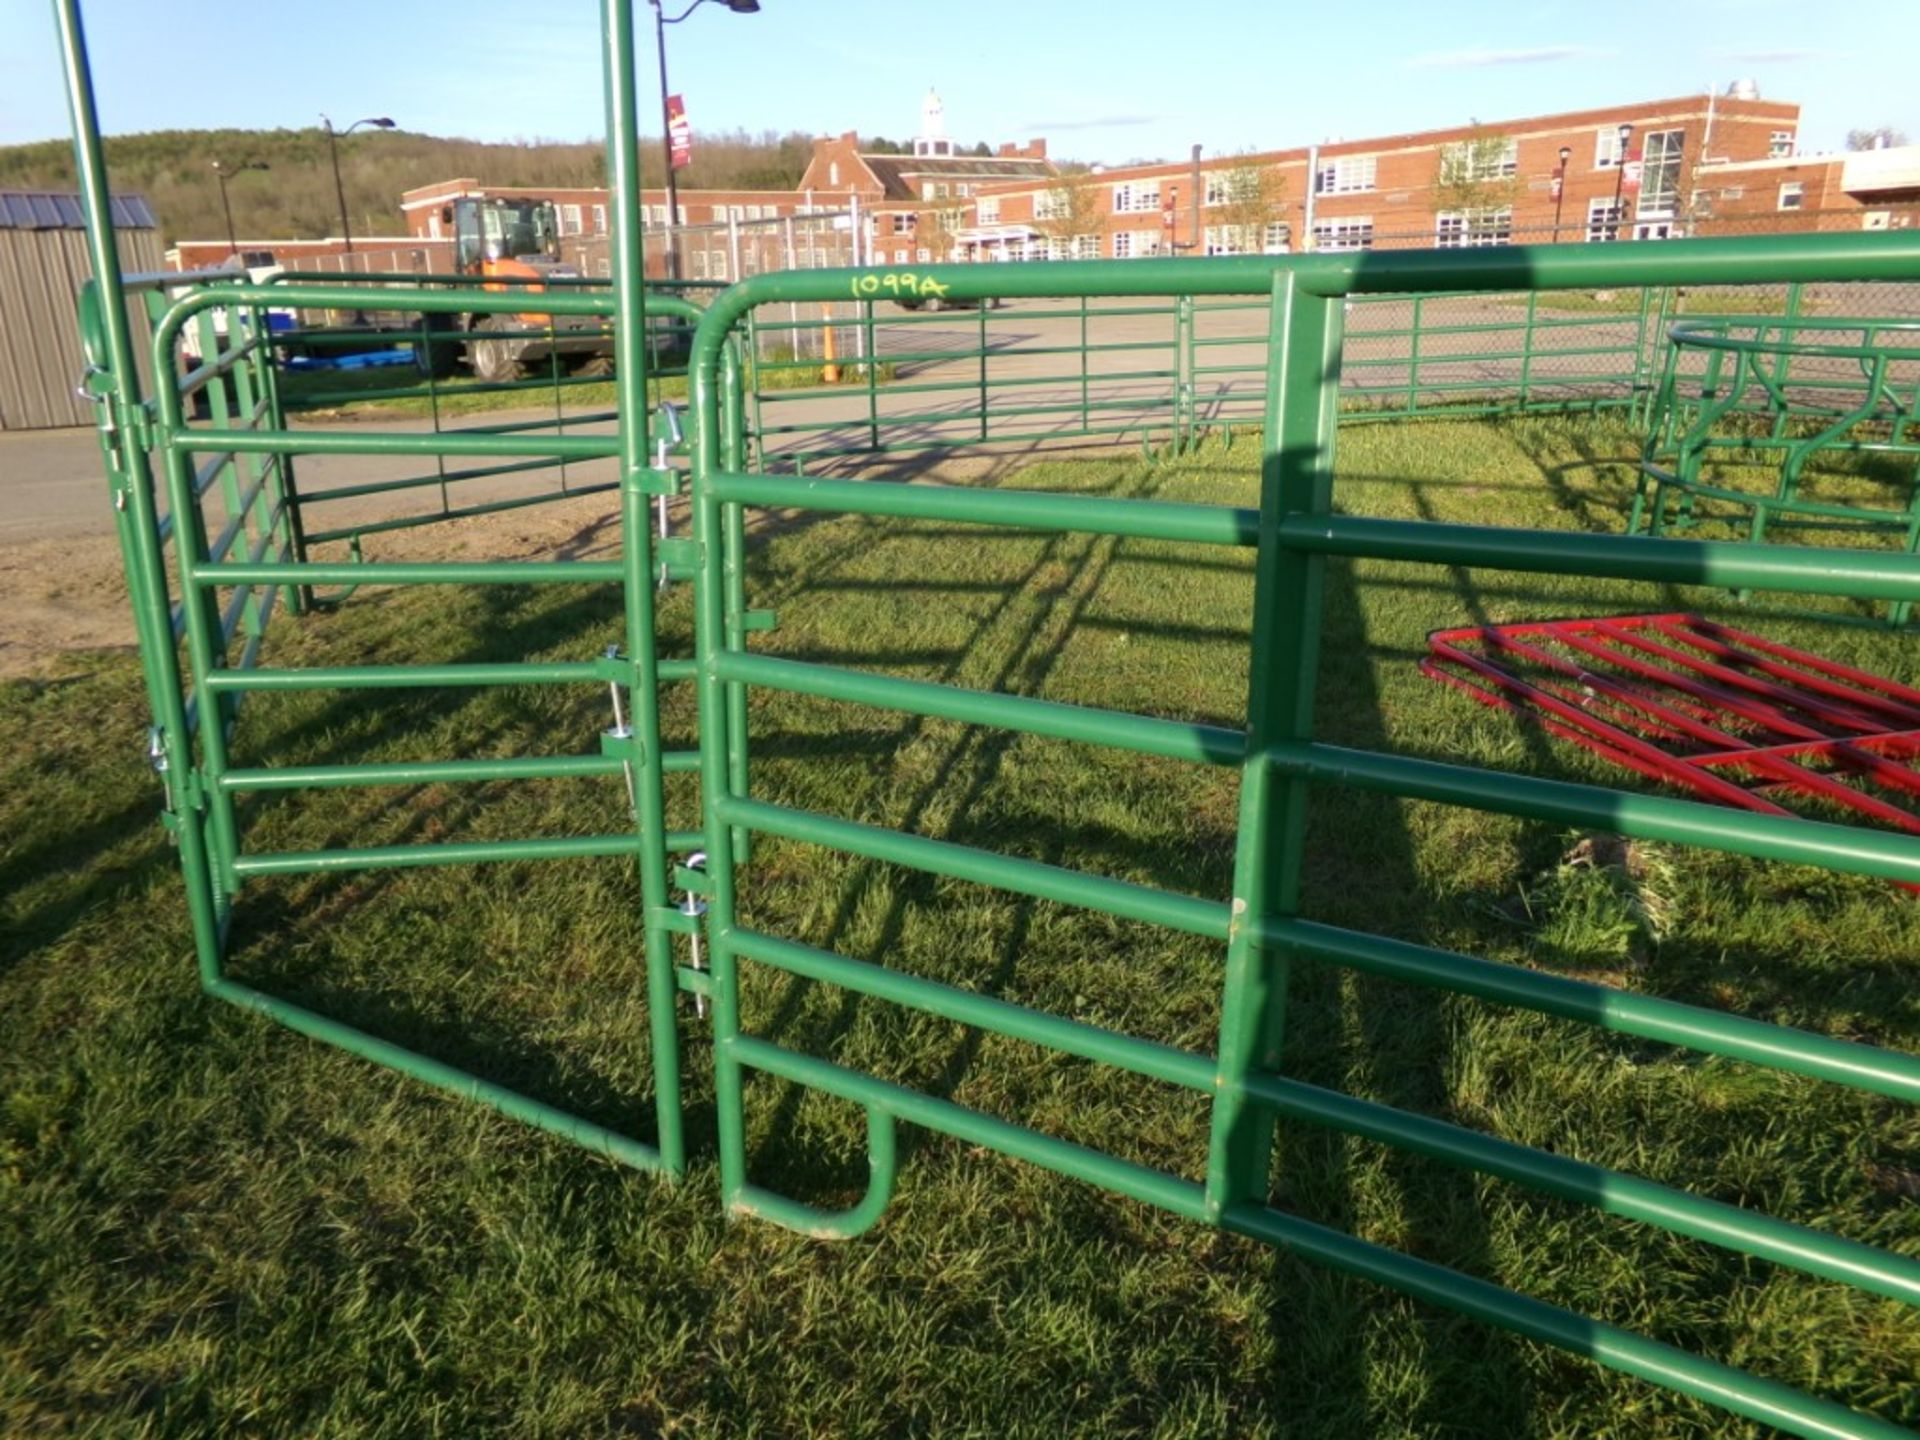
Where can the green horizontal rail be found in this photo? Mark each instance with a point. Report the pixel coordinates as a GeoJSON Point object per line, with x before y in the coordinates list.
{"type": "Point", "coordinates": [1730, 564]}
{"type": "Point", "coordinates": [983, 867]}
{"type": "Point", "coordinates": [1018, 509]}
{"type": "Point", "coordinates": [1182, 1197]}
{"type": "Point", "coordinates": [1072, 1037]}
{"type": "Point", "coordinates": [1608, 1345]}
{"type": "Point", "coordinates": [1609, 1191]}
{"type": "Point", "coordinates": [415, 572]}
{"type": "Point", "coordinates": [466, 852]}
{"type": "Point", "coordinates": [1146, 735]}
{"type": "Point", "coordinates": [370, 677]}
{"type": "Point", "coordinates": [1789, 838]}
{"type": "Point", "coordinates": [1647, 1017]}
{"type": "Point", "coordinates": [421, 772]}
{"type": "Point", "coordinates": [428, 443]}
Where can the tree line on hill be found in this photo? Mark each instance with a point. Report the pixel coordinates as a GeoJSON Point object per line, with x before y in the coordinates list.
{"type": "Point", "coordinates": [294, 197]}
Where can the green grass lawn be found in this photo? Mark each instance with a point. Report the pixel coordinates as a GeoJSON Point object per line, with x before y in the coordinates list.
{"type": "Point", "coordinates": [209, 1225]}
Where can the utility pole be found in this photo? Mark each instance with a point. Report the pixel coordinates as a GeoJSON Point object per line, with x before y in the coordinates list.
{"type": "Point", "coordinates": [226, 207]}
{"type": "Point", "coordinates": [380, 122]}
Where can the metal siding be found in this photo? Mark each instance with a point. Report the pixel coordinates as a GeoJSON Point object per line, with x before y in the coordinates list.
{"type": "Point", "coordinates": [41, 271]}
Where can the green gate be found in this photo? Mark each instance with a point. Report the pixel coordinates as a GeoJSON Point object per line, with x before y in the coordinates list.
{"type": "Point", "coordinates": [226, 509]}
{"type": "Point", "coordinates": [225, 581]}
{"type": "Point", "coordinates": [1259, 926]}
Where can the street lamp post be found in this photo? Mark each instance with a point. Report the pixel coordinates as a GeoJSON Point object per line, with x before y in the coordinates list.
{"type": "Point", "coordinates": [660, 22]}
{"type": "Point", "coordinates": [222, 171]}
{"type": "Point", "coordinates": [1560, 189]}
{"type": "Point", "coordinates": [1620, 176]}
{"type": "Point", "coordinates": [379, 122]}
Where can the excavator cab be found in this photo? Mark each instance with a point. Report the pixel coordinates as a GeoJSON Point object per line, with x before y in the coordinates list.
{"type": "Point", "coordinates": [495, 233]}
{"type": "Point", "coordinates": [499, 241]}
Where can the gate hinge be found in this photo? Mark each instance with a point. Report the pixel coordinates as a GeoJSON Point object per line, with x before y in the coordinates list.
{"type": "Point", "coordinates": [760, 620]}
{"type": "Point", "coordinates": [677, 552]}
{"type": "Point", "coordinates": [671, 918]}
{"type": "Point", "coordinates": [137, 420]}
{"type": "Point", "coordinates": [620, 743]}
{"type": "Point", "coordinates": [655, 480]}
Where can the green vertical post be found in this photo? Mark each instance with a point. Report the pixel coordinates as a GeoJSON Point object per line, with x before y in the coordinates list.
{"type": "Point", "coordinates": [873, 382]}
{"type": "Point", "coordinates": [755, 354]}
{"type": "Point", "coordinates": [734, 557]}
{"type": "Point", "coordinates": [982, 312]}
{"type": "Point", "coordinates": [1526, 346]}
{"type": "Point", "coordinates": [1413, 358]}
{"type": "Point", "coordinates": [281, 492]}
{"type": "Point", "coordinates": [147, 574]}
{"type": "Point", "coordinates": [1183, 369]}
{"type": "Point", "coordinates": [637, 485]}
{"type": "Point", "coordinates": [1303, 391]}
{"type": "Point", "coordinates": [1086, 409]}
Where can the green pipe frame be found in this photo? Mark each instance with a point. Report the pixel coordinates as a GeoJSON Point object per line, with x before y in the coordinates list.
{"type": "Point", "coordinates": [245, 459]}
{"type": "Point", "coordinates": [1744, 400]}
{"type": "Point", "coordinates": [1292, 533]}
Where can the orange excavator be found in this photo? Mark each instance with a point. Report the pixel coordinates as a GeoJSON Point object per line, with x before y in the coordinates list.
{"type": "Point", "coordinates": [518, 242]}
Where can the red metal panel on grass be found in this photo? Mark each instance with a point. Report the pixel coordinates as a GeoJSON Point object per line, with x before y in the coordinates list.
{"type": "Point", "coordinates": [1728, 715]}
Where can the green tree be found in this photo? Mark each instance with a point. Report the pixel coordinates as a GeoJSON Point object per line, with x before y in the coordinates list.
{"type": "Point", "coordinates": [1477, 179]}
{"type": "Point", "coordinates": [1071, 213]}
{"type": "Point", "coordinates": [1247, 198]}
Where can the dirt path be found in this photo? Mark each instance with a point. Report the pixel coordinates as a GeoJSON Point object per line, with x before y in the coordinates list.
{"type": "Point", "coordinates": [63, 593]}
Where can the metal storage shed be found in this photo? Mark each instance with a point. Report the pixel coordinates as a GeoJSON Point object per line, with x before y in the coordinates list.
{"type": "Point", "coordinates": [43, 262]}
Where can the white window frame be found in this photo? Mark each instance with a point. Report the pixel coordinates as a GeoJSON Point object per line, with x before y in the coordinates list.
{"type": "Point", "coordinates": [1473, 229]}
{"type": "Point", "coordinates": [1648, 203]}
{"type": "Point", "coordinates": [1791, 190]}
{"type": "Point", "coordinates": [1343, 232]}
{"type": "Point", "coordinates": [570, 220]}
{"type": "Point", "coordinates": [1604, 219]}
{"type": "Point", "coordinates": [1122, 241]}
{"type": "Point", "coordinates": [1347, 175]}
{"type": "Point", "coordinates": [599, 219]}
{"type": "Point", "coordinates": [1606, 147]}
{"type": "Point", "coordinates": [1136, 197]}
{"type": "Point", "coordinates": [1276, 238]}
{"type": "Point", "coordinates": [1780, 144]}
{"type": "Point", "coordinates": [989, 208]}
{"type": "Point", "coordinates": [1050, 205]}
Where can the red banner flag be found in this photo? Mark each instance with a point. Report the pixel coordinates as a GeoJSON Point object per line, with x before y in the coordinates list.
{"type": "Point", "coordinates": [679, 133]}
{"type": "Point", "coordinates": [1630, 176]}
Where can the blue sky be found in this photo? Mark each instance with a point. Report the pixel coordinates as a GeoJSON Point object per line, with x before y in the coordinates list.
{"type": "Point", "coordinates": [1102, 81]}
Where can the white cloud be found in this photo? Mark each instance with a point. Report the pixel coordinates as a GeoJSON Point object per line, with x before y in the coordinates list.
{"type": "Point", "coordinates": [1100, 123]}
{"type": "Point", "coordinates": [1470, 59]}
